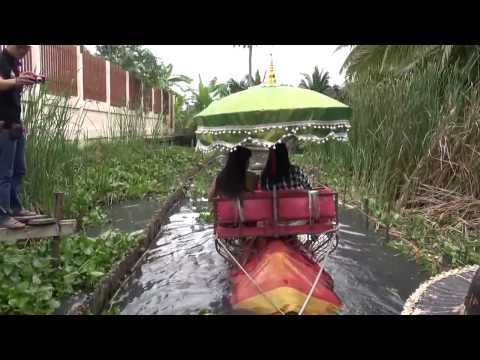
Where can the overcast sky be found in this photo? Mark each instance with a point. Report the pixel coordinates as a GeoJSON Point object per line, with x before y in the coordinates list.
{"type": "Point", "coordinates": [226, 61]}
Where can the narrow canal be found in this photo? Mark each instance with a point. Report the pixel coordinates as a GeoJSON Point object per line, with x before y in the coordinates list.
{"type": "Point", "coordinates": [183, 274]}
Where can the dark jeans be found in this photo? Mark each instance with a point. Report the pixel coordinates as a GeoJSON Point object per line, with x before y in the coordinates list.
{"type": "Point", "coordinates": [12, 170]}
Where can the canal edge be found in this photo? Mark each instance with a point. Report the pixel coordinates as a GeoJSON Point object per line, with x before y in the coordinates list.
{"type": "Point", "coordinates": [95, 302]}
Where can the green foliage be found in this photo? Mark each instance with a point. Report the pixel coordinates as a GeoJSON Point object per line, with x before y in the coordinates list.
{"type": "Point", "coordinates": [104, 172]}
{"type": "Point", "coordinates": [30, 285]}
{"type": "Point", "coordinates": [52, 143]}
{"type": "Point", "coordinates": [396, 123]}
{"type": "Point", "coordinates": [141, 61]}
{"type": "Point", "coordinates": [93, 174]}
{"type": "Point", "coordinates": [86, 259]}
{"type": "Point", "coordinates": [206, 94]}
{"type": "Point", "coordinates": [319, 81]}
{"type": "Point", "coordinates": [203, 181]}
{"type": "Point", "coordinates": [111, 172]}
{"type": "Point", "coordinates": [207, 217]}
{"type": "Point", "coordinates": [388, 60]}
{"type": "Point", "coordinates": [236, 86]}
{"type": "Point", "coordinates": [392, 127]}
{"type": "Point", "coordinates": [25, 280]}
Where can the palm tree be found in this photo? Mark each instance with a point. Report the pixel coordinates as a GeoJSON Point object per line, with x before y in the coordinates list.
{"type": "Point", "coordinates": [250, 48]}
{"type": "Point", "coordinates": [318, 81]}
{"type": "Point", "coordinates": [236, 86]}
{"type": "Point", "coordinates": [335, 92]}
{"type": "Point", "coordinates": [401, 58]}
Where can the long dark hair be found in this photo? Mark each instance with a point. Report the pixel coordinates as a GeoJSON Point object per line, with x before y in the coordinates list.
{"type": "Point", "coordinates": [277, 166]}
{"type": "Point", "coordinates": [231, 180]}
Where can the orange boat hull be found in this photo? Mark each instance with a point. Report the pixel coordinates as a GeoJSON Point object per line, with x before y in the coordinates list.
{"type": "Point", "coordinates": [285, 276]}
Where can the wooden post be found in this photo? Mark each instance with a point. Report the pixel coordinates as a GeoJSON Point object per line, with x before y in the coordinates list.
{"type": "Point", "coordinates": [389, 221]}
{"type": "Point", "coordinates": [365, 208]}
{"type": "Point", "coordinates": [58, 212]}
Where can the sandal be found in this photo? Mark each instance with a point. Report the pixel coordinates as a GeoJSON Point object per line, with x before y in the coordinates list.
{"type": "Point", "coordinates": [24, 212]}
{"type": "Point", "coordinates": [12, 224]}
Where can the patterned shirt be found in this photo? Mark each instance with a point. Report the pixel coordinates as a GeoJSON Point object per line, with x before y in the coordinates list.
{"type": "Point", "coordinates": [296, 178]}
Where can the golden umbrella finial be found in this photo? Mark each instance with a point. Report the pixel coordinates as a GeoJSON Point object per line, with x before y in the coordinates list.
{"type": "Point", "coordinates": [271, 80]}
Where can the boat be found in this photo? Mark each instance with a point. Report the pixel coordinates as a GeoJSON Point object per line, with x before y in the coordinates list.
{"type": "Point", "coordinates": [279, 241]}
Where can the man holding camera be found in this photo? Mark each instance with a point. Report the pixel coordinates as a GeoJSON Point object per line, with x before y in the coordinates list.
{"type": "Point", "coordinates": [12, 135]}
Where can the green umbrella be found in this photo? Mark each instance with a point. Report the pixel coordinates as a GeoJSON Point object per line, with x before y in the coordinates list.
{"type": "Point", "coordinates": [268, 113]}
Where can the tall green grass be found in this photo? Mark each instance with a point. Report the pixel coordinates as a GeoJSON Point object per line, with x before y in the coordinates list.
{"type": "Point", "coordinates": [90, 173]}
{"type": "Point", "coordinates": [53, 133]}
{"type": "Point", "coordinates": [414, 153]}
{"type": "Point", "coordinates": [393, 124]}
{"type": "Point", "coordinates": [126, 125]}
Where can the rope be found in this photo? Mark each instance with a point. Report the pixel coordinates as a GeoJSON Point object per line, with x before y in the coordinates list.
{"type": "Point", "coordinates": [241, 215]}
{"type": "Point", "coordinates": [259, 289]}
{"type": "Point", "coordinates": [315, 283]}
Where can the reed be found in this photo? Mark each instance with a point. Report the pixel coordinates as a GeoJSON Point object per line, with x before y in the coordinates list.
{"type": "Point", "coordinates": [91, 173]}
{"type": "Point", "coordinates": [394, 128]}
{"type": "Point", "coordinates": [53, 134]}
{"type": "Point", "coordinates": [127, 125]}
{"type": "Point", "coordinates": [414, 153]}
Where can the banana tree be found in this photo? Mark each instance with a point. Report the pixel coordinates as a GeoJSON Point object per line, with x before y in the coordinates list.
{"type": "Point", "coordinates": [167, 80]}
{"type": "Point", "coordinates": [206, 94]}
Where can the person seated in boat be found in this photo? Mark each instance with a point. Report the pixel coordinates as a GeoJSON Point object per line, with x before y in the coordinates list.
{"type": "Point", "coordinates": [279, 172]}
{"type": "Point", "coordinates": [234, 179]}
{"type": "Point", "coordinates": [282, 175]}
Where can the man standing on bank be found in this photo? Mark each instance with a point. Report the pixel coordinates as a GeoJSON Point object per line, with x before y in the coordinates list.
{"type": "Point", "coordinates": [12, 135]}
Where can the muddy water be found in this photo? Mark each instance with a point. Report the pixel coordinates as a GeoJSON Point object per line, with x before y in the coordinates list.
{"type": "Point", "coordinates": [182, 273]}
